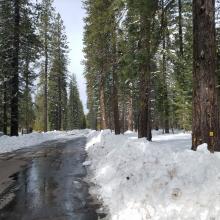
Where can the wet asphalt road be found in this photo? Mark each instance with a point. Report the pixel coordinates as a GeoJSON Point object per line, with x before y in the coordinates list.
{"type": "Point", "coordinates": [51, 185]}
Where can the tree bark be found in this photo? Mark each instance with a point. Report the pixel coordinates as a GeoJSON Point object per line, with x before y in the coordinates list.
{"type": "Point", "coordinates": [5, 114]}
{"type": "Point", "coordinates": [205, 128]}
{"type": "Point", "coordinates": [115, 78]}
{"type": "Point", "coordinates": [45, 83]}
{"type": "Point", "coordinates": [115, 102]}
{"type": "Point", "coordinates": [164, 73]}
{"type": "Point", "coordinates": [180, 28]}
{"type": "Point", "coordinates": [60, 104]}
{"type": "Point", "coordinates": [130, 112]}
{"type": "Point", "coordinates": [144, 119]}
{"type": "Point", "coordinates": [165, 98]}
{"type": "Point", "coordinates": [27, 118]}
{"type": "Point", "coordinates": [103, 122]}
{"type": "Point", "coordinates": [15, 70]}
{"type": "Point", "coordinates": [60, 115]}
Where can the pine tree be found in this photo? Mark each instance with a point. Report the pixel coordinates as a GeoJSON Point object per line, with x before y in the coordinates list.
{"type": "Point", "coordinates": [183, 68]}
{"type": "Point", "coordinates": [17, 34]}
{"type": "Point", "coordinates": [29, 56]}
{"type": "Point", "coordinates": [100, 50]}
{"type": "Point", "coordinates": [57, 95]}
{"type": "Point", "coordinates": [45, 29]}
{"type": "Point", "coordinates": [145, 11]}
{"type": "Point", "coordinates": [6, 38]}
{"type": "Point", "coordinates": [15, 68]}
{"type": "Point", "coordinates": [76, 118]}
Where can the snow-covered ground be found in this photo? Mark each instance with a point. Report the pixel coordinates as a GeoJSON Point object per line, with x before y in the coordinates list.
{"type": "Point", "coordinates": [162, 180]}
{"type": "Point", "coordinates": [8, 144]}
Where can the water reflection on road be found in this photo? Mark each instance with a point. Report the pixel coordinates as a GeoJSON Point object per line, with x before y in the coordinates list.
{"type": "Point", "coordinates": [52, 186]}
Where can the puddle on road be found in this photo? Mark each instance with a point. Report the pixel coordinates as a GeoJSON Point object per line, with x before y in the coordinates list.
{"type": "Point", "coordinates": [52, 187]}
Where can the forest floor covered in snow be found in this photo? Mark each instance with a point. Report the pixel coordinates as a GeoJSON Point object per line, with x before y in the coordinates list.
{"type": "Point", "coordinates": [138, 180]}
{"type": "Point", "coordinates": [159, 180]}
{"type": "Point", "coordinates": [8, 144]}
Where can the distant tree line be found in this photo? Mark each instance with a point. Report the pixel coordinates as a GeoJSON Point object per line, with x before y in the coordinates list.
{"type": "Point", "coordinates": [35, 87]}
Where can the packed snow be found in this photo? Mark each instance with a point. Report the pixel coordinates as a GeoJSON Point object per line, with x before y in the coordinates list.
{"type": "Point", "coordinates": [160, 180]}
{"type": "Point", "coordinates": [8, 144]}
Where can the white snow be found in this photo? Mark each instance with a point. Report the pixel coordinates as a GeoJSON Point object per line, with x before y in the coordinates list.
{"type": "Point", "coordinates": [8, 144]}
{"type": "Point", "coordinates": [162, 180]}
{"type": "Point", "coordinates": [87, 163]}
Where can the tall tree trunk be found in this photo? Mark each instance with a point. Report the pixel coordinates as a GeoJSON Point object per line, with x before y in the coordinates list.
{"type": "Point", "coordinates": [115, 78]}
{"type": "Point", "coordinates": [205, 127]}
{"type": "Point", "coordinates": [46, 83]}
{"type": "Point", "coordinates": [103, 122]}
{"type": "Point", "coordinates": [60, 116]}
{"type": "Point", "coordinates": [164, 73]}
{"type": "Point", "coordinates": [115, 97]}
{"type": "Point", "coordinates": [15, 70]}
{"type": "Point", "coordinates": [5, 113]}
{"type": "Point", "coordinates": [144, 119]}
{"type": "Point", "coordinates": [123, 110]}
{"type": "Point", "coordinates": [130, 112]}
{"type": "Point", "coordinates": [60, 104]}
{"type": "Point", "coordinates": [115, 103]}
{"type": "Point", "coordinates": [165, 98]}
{"type": "Point", "coordinates": [180, 20]}
{"type": "Point", "coordinates": [27, 119]}
{"type": "Point", "coordinates": [180, 28]}
{"type": "Point", "coordinates": [110, 118]}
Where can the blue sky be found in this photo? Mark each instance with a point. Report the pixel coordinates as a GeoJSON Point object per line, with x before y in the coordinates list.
{"type": "Point", "coordinates": [72, 14]}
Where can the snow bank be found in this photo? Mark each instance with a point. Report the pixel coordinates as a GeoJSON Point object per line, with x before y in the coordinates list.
{"type": "Point", "coordinates": [8, 144]}
{"type": "Point", "coordinates": [162, 180]}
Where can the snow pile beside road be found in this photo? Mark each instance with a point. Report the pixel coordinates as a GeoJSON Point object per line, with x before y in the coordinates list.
{"type": "Point", "coordinates": [8, 144]}
{"type": "Point", "coordinates": [162, 180]}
